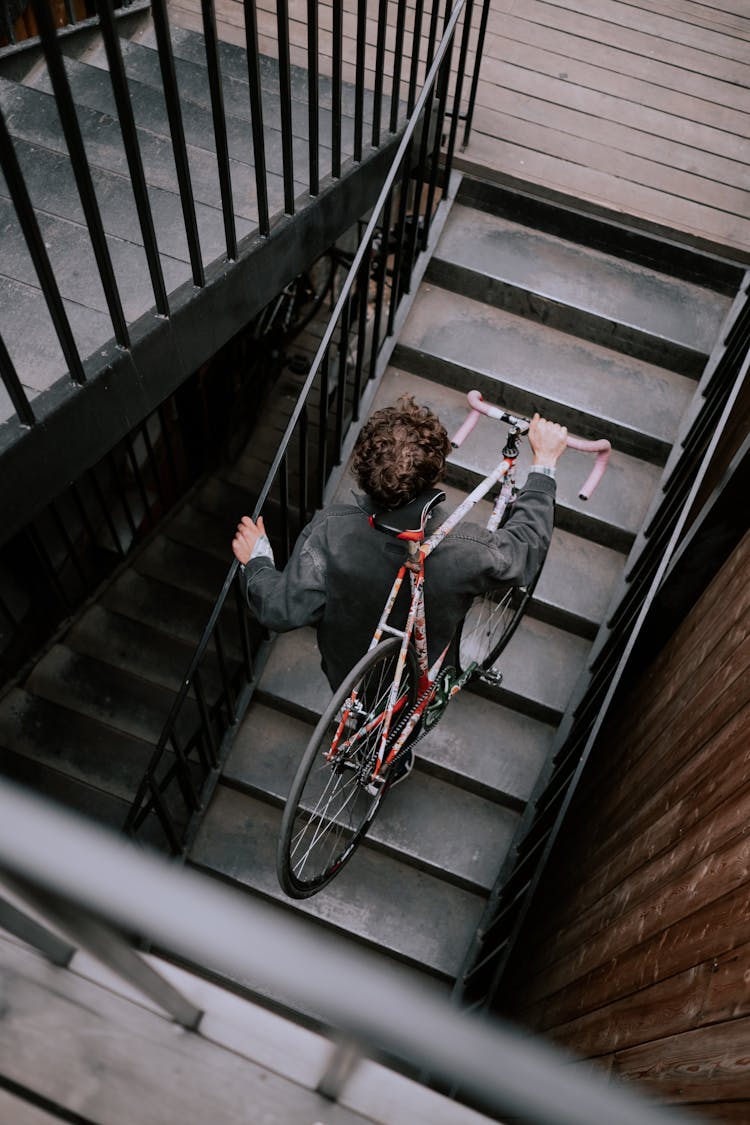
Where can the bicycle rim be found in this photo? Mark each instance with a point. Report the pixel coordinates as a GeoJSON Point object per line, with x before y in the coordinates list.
{"type": "Point", "coordinates": [330, 808]}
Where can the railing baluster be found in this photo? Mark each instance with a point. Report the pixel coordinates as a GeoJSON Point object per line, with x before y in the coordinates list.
{"type": "Point", "coordinates": [206, 724]}
{"type": "Point", "coordinates": [42, 554]}
{"type": "Point", "coordinates": [359, 80]}
{"type": "Point", "coordinates": [247, 656]}
{"type": "Point", "coordinates": [377, 94]}
{"type": "Point", "coordinates": [106, 512]}
{"type": "Point", "coordinates": [81, 171]}
{"type": "Point", "coordinates": [313, 98]}
{"type": "Point", "coordinates": [416, 46]}
{"type": "Point", "coordinates": [448, 165]}
{"type": "Point", "coordinates": [303, 475]}
{"type": "Point", "coordinates": [336, 83]}
{"type": "Point", "coordinates": [475, 76]}
{"type": "Point", "coordinates": [226, 679]}
{"type": "Point", "coordinates": [256, 114]}
{"type": "Point", "coordinates": [184, 775]}
{"type": "Point", "coordinates": [442, 95]}
{"type": "Point", "coordinates": [26, 217]}
{"type": "Point", "coordinates": [397, 61]}
{"type": "Point", "coordinates": [211, 41]}
{"type": "Point", "coordinates": [177, 132]}
{"type": "Point", "coordinates": [382, 272]}
{"type": "Point", "coordinates": [432, 34]}
{"type": "Point", "coordinates": [284, 502]}
{"type": "Point", "coordinates": [285, 100]}
{"type": "Point", "coordinates": [400, 233]}
{"type": "Point", "coordinates": [323, 428]}
{"type": "Point", "coordinates": [343, 358]}
{"type": "Point", "coordinates": [153, 465]}
{"type": "Point", "coordinates": [13, 384]}
{"type": "Point", "coordinates": [138, 478]}
{"type": "Point", "coordinates": [72, 553]}
{"type": "Point", "coordinates": [132, 151]}
{"type": "Point", "coordinates": [363, 291]}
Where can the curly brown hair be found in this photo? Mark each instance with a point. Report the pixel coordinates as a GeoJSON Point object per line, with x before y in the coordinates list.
{"type": "Point", "coordinates": [400, 451]}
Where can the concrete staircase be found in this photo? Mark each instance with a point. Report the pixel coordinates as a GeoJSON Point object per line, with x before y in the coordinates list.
{"type": "Point", "coordinates": [608, 341]}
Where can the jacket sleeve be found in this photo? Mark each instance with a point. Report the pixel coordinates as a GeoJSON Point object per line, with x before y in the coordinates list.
{"type": "Point", "coordinates": [513, 554]}
{"type": "Point", "coordinates": [294, 596]}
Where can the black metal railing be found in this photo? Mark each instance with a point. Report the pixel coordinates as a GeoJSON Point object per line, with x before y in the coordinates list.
{"type": "Point", "coordinates": [90, 530]}
{"type": "Point", "coordinates": [95, 888]}
{"type": "Point", "coordinates": [496, 943]}
{"type": "Point", "coordinates": [336, 113]}
{"type": "Point", "coordinates": [198, 732]}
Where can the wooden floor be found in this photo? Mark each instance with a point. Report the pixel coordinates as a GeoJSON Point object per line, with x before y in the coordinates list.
{"type": "Point", "coordinates": [641, 107]}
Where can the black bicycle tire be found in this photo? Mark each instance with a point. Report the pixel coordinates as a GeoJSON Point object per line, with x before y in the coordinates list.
{"type": "Point", "coordinates": [320, 741]}
{"type": "Point", "coordinates": [320, 289]}
{"type": "Point", "coordinates": [502, 641]}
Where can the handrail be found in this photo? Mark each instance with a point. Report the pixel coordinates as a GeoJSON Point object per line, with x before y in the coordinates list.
{"type": "Point", "coordinates": [355, 288]}
{"type": "Point", "coordinates": [106, 880]}
{"type": "Point", "coordinates": [496, 943]}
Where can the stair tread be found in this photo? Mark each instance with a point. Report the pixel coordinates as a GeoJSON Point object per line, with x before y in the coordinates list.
{"type": "Point", "coordinates": [137, 648]}
{"type": "Point", "coordinates": [38, 357]}
{"type": "Point", "coordinates": [52, 735]}
{"type": "Point", "coordinates": [82, 798]}
{"type": "Point", "coordinates": [92, 87]}
{"type": "Point", "coordinates": [409, 913]}
{"type": "Point", "coordinates": [107, 694]}
{"type": "Point", "coordinates": [189, 569]}
{"type": "Point", "coordinates": [51, 183]}
{"type": "Point", "coordinates": [586, 386]}
{"type": "Point", "coordinates": [68, 245]}
{"type": "Point", "coordinates": [613, 515]}
{"type": "Point", "coordinates": [32, 115]}
{"type": "Point", "coordinates": [581, 277]}
{"type": "Point", "coordinates": [426, 821]}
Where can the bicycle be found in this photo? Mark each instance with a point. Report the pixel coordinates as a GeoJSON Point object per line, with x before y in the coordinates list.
{"type": "Point", "coordinates": [364, 736]}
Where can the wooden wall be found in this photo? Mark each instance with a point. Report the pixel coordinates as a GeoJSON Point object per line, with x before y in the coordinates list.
{"type": "Point", "coordinates": [641, 957]}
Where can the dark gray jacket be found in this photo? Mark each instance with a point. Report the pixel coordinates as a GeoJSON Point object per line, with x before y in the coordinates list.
{"type": "Point", "coordinates": [341, 571]}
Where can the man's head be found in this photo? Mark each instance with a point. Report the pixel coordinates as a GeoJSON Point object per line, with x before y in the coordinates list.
{"type": "Point", "coordinates": [400, 451]}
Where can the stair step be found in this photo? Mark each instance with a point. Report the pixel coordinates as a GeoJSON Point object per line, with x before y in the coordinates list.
{"type": "Point", "coordinates": [99, 691]}
{"type": "Point", "coordinates": [92, 87]}
{"type": "Point", "coordinates": [51, 183]}
{"type": "Point", "coordinates": [37, 356]}
{"type": "Point", "coordinates": [398, 909]}
{"type": "Point", "coordinates": [32, 115]}
{"type": "Point", "coordinates": [623, 305]}
{"type": "Point", "coordinates": [72, 258]}
{"type": "Point", "coordinates": [135, 647]}
{"type": "Point", "coordinates": [191, 570]}
{"type": "Point", "coordinates": [612, 517]}
{"type": "Point", "coordinates": [51, 735]}
{"type": "Point", "coordinates": [528, 366]}
{"type": "Point", "coordinates": [428, 822]}
{"type": "Point", "coordinates": [77, 796]}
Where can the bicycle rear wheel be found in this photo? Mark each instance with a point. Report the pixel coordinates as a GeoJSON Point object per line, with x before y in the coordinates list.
{"type": "Point", "coordinates": [330, 808]}
{"type": "Point", "coordinates": [491, 622]}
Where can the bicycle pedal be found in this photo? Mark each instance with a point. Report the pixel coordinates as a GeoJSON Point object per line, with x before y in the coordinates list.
{"type": "Point", "coordinates": [491, 677]}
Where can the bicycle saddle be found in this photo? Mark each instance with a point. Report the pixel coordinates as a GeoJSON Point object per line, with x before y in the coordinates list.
{"type": "Point", "coordinates": [409, 522]}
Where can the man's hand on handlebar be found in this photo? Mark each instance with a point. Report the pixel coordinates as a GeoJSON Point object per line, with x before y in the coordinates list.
{"type": "Point", "coordinates": [548, 441]}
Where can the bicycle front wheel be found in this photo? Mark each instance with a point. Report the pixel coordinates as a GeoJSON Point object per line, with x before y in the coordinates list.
{"type": "Point", "coordinates": [491, 622]}
{"type": "Point", "coordinates": [331, 803]}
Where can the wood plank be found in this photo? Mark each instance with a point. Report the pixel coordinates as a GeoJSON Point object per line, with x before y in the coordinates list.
{"type": "Point", "coordinates": [709, 1064]}
{"type": "Point", "coordinates": [713, 992]}
{"type": "Point", "coordinates": [587, 74]}
{"type": "Point", "coordinates": [603, 55]}
{"type": "Point", "coordinates": [697, 798]}
{"type": "Point", "coordinates": [593, 24]}
{"type": "Point", "coordinates": [607, 107]}
{"type": "Point", "coordinates": [98, 1048]}
{"type": "Point", "coordinates": [712, 930]}
{"type": "Point", "coordinates": [639, 157]}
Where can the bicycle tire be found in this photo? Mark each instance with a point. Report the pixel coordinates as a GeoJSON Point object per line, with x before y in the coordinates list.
{"type": "Point", "coordinates": [490, 623]}
{"type": "Point", "coordinates": [317, 281]}
{"type": "Point", "coordinates": [329, 808]}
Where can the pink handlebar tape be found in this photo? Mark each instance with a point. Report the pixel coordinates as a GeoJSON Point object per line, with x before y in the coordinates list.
{"type": "Point", "coordinates": [601, 448]}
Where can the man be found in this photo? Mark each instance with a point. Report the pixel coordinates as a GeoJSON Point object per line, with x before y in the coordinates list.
{"type": "Point", "coordinates": [342, 569]}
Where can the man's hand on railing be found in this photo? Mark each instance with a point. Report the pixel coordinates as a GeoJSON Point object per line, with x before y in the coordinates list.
{"type": "Point", "coordinates": [247, 535]}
